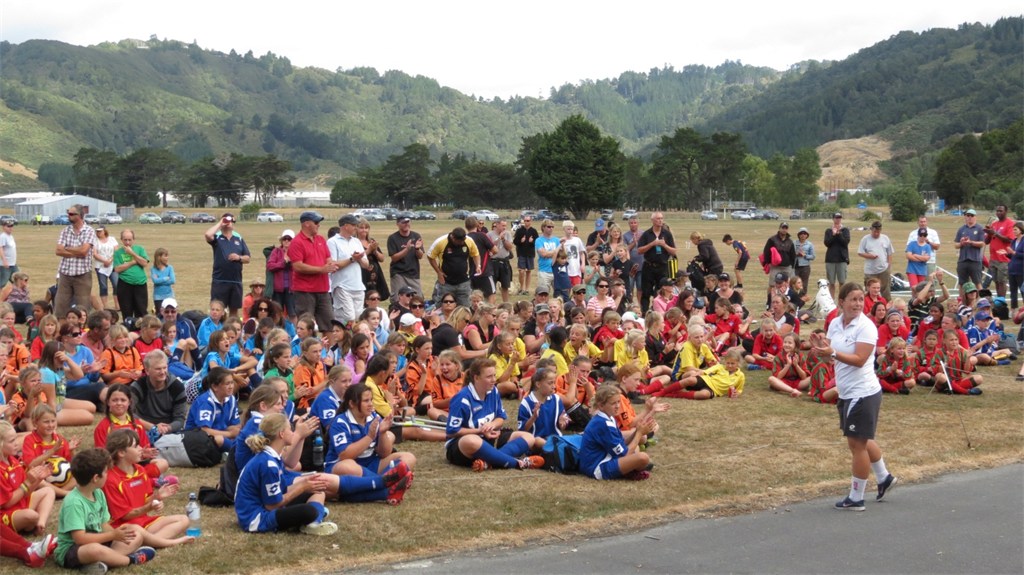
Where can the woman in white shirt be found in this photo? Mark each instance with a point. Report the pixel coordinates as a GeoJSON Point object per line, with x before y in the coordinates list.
{"type": "Point", "coordinates": [850, 345]}
{"type": "Point", "coordinates": [103, 261]}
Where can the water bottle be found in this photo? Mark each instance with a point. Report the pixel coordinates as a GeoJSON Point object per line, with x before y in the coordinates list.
{"type": "Point", "coordinates": [318, 451]}
{"type": "Point", "coordinates": [192, 511]}
{"type": "Point", "coordinates": [61, 389]}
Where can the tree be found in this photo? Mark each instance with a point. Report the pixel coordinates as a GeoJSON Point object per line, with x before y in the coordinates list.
{"type": "Point", "coordinates": [58, 177]}
{"type": "Point", "coordinates": [147, 170]}
{"type": "Point", "coordinates": [676, 168]}
{"type": "Point", "coordinates": [405, 178]}
{"type": "Point", "coordinates": [576, 168]}
{"type": "Point", "coordinates": [266, 176]}
{"type": "Point", "coordinates": [905, 204]}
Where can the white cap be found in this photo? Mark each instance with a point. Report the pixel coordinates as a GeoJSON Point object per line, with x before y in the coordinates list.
{"type": "Point", "coordinates": [629, 316]}
{"type": "Point", "coordinates": [408, 319]}
{"type": "Point", "coordinates": [169, 302]}
{"type": "Point", "coordinates": [289, 233]}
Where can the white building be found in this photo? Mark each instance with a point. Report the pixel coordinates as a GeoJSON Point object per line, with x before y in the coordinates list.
{"type": "Point", "coordinates": [57, 205]}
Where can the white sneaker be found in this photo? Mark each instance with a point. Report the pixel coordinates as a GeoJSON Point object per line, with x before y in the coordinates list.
{"type": "Point", "coordinates": [98, 568]}
{"type": "Point", "coordinates": [322, 528]}
{"type": "Point", "coordinates": [41, 548]}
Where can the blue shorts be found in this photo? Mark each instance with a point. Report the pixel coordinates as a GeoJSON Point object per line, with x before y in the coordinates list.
{"type": "Point", "coordinates": [524, 263]}
{"type": "Point", "coordinates": [608, 470]}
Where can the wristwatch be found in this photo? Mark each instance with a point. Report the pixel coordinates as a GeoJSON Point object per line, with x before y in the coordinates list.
{"type": "Point", "coordinates": [833, 354]}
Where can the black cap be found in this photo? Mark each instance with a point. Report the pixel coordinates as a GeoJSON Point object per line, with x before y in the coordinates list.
{"type": "Point", "coordinates": [348, 219]}
{"type": "Point", "coordinates": [310, 217]}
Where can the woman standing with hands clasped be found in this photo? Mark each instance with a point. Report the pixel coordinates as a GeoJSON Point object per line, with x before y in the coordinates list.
{"type": "Point", "coordinates": [850, 343]}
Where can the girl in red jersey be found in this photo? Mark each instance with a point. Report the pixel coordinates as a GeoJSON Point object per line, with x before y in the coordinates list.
{"type": "Point", "coordinates": [892, 327]}
{"type": "Point", "coordinates": [896, 368]}
{"type": "Point", "coordinates": [823, 382]}
{"type": "Point", "coordinates": [927, 367]}
{"type": "Point", "coordinates": [26, 500]}
{"type": "Point", "coordinates": [131, 498]}
{"type": "Point", "coordinates": [789, 374]}
{"type": "Point", "coordinates": [119, 415]}
{"type": "Point", "coordinates": [727, 326]}
{"type": "Point", "coordinates": [957, 377]}
{"type": "Point", "coordinates": [44, 443]}
{"type": "Point", "coordinates": [767, 344]}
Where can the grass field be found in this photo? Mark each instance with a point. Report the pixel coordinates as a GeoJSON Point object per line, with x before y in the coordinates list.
{"type": "Point", "coordinates": [715, 457]}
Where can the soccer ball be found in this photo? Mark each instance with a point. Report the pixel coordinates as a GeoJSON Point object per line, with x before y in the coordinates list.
{"type": "Point", "coordinates": [60, 471]}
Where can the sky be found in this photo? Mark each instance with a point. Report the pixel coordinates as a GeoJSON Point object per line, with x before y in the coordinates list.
{"type": "Point", "coordinates": [502, 49]}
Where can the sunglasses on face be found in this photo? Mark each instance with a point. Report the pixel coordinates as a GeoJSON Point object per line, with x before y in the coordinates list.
{"type": "Point", "coordinates": [447, 301]}
{"type": "Point", "coordinates": [603, 286]}
{"type": "Point", "coordinates": [373, 299]}
{"type": "Point", "coordinates": [75, 334]}
{"type": "Point", "coordinates": [72, 214]}
{"type": "Point", "coordinates": [416, 306]}
{"type": "Point", "coordinates": [263, 309]}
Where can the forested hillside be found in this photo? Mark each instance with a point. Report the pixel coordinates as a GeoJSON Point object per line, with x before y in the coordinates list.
{"type": "Point", "coordinates": [914, 89]}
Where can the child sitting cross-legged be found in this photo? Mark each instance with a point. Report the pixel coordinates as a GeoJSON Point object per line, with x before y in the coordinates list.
{"type": "Point", "coordinates": [720, 380]}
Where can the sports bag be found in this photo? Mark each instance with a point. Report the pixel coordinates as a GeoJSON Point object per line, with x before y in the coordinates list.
{"type": "Point", "coordinates": [562, 453]}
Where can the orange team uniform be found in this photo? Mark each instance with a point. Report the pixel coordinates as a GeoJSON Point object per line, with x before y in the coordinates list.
{"type": "Point", "coordinates": [111, 423]}
{"type": "Point", "coordinates": [310, 377]}
{"type": "Point", "coordinates": [36, 351]}
{"type": "Point", "coordinates": [17, 358]}
{"type": "Point", "coordinates": [417, 373]}
{"type": "Point", "coordinates": [20, 403]}
{"type": "Point", "coordinates": [562, 388]}
{"type": "Point", "coordinates": [12, 475]}
{"type": "Point", "coordinates": [128, 491]}
{"type": "Point", "coordinates": [627, 415]}
{"type": "Point", "coordinates": [35, 446]}
{"type": "Point", "coordinates": [129, 359]}
{"type": "Point", "coordinates": [443, 389]}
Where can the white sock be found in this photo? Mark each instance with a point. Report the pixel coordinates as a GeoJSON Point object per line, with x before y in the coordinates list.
{"type": "Point", "coordinates": [880, 471]}
{"type": "Point", "coordinates": [857, 488]}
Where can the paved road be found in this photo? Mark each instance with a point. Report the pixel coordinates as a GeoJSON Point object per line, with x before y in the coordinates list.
{"type": "Point", "coordinates": [962, 523]}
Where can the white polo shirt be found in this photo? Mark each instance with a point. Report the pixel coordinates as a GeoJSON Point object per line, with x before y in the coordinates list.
{"type": "Point", "coordinates": [349, 277]}
{"type": "Point", "coordinates": [854, 381]}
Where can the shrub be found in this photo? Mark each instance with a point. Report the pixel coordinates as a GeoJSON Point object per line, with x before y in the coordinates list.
{"type": "Point", "coordinates": [906, 205]}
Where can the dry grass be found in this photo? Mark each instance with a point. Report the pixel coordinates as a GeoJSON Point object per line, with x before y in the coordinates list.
{"type": "Point", "coordinates": [853, 163]}
{"type": "Point", "coordinates": [715, 457]}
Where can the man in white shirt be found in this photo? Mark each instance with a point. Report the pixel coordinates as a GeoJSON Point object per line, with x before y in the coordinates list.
{"type": "Point", "coordinates": [347, 289]}
{"type": "Point", "coordinates": [933, 239]}
{"type": "Point", "coordinates": [876, 249]}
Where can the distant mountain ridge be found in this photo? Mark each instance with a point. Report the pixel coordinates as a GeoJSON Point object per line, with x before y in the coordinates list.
{"type": "Point", "coordinates": [914, 90]}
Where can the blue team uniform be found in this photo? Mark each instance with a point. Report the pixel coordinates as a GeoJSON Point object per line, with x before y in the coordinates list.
{"type": "Point", "coordinates": [546, 423]}
{"type": "Point", "coordinates": [468, 410]}
{"type": "Point", "coordinates": [326, 407]}
{"type": "Point", "coordinates": [263, 482]}
{"type": "Point", "coordinates": [976, 334]}
{"type": "Point", "coordinates": [602, 447]}
{"type": "Point", "coordinates": [207, 327]}
{"type": "Point", "coordinates": [242, 453]}
{"type": "Point", "coordinates": [345, 431]}
{"type": "Point", "coordinates": [206, 411]}
{"type": "Point", "coordinates": [232, 361]}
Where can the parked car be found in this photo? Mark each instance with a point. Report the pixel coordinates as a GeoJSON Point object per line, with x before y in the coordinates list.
{"type": "Point", "coordinates": [771, 215]}
{"type": "Point", "coordinates": [92, 219]}
{"type": "Point", "coordinates": [527, 214]}
{"type": "Point", "coordinates": [202, 218]}
{"type": "Point", "coordinates": [172, 217]}
{"type": "Point", "coordinates": [741, 215]}
{"type": "Point", "coordinates": [111, 218]}
{"type": "Point", "coordinates": [629, 214]}
{"type": "Point", "coordinates": [708, 215]}
{"type": "Point", "coordinates": [269, 217]}
{"type": "Point", "coordinates": [553, 216]}
{"type": "Point", "coordinates": [370, 214]}
{"type": "Point", "coordinates": [424, 215]}
{"type": "Point", "coordinates": [460, 214]}
{"type": "Point", "coordinates": [150, 218]}
{"type": "Point", "coordinates": [389, 213]}
{"type": "Point", "coordinates": [486, 215]}
{"type": "Point", "coordinates": [8, 221]}
{"type": "Point", "coordinates": [61, 220]}
{"type": "Point", "coordinates": [607, 215]}
{"type": "Point", "coordinates": [796, 215]}
{"type": "Point", "coordinates": [42, 221]}
{"type": "Point", "coordinates": [405, 215]}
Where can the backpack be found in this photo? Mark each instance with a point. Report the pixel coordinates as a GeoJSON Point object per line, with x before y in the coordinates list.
{"type": "Point", "coordinates": [224, 494]}
{"type": "Point", "coordinates": [696, 276]}
{"type": "Point", "coordinates": [562, 453]}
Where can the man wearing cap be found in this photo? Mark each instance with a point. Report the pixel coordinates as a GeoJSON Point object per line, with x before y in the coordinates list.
{"type": "Point", "coordinates": [481, 275]}
{"type": "Point", "coordinates": [169, 312]}
{"type": "Point", "coordinates": [969, 241]}
{"type": "Point", "coordinates": [450, 259]}
{"type": "Point", "coordinates": [347, 287]}
{"type": "Point", "coordinates": [74, 273]}
{"type": "Point", "coordinates": [501, 263]}
{"type": "Point", "coordinates": [999, 235]}
{"type": "Point", "coordinates": [933, 240]}
{"type": "Point", "coordinates": [280, 265]}
{"type": "Point", "coordinates": [311, 269]}
{"type": "Point", "coordinates": [405, 248]}
{"type": "Point", "coordinates": [229, 255]}
{"type": "Point", "coordinates": [598, 239]}
{"type": "Point", "coordinates": [578, 298]}
{"type": "Point", "coordinates": [837, 253]}
{"type": "Point", "coordinates": [525, 240]}
{"type": "Point", "coordinates": [783, 245]}
{"type": "Point", "coordinates": [876, 249]}
{"type": "Point", "coordinates": [804, 256]}
{"type": "Point", "coordinates": [656, 245]}
{"type": "Point", "coordinates": [547, 248]}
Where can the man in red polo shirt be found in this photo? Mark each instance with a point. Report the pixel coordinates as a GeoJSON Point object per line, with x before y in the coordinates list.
{"type": "Point", "coordinates": [999, 235]}
{"type": "Point", "coordinates": [311, 269]}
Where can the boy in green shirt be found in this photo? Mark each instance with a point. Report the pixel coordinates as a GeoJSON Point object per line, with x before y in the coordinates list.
{"type": "Point", "coordinates": [85, 539]}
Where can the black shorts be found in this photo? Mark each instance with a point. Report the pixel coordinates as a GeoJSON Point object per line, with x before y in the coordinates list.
{"type": "Point", "coordinates": [502, 273]}
{"type": "Point", "coordinates": [741, 264]}
{"type": "Point", "coordinates": [229, 293]}
{"type": "Point", "coordinates": [456, 457]}
{"type": "Point", "coordinates": [484, 283]}
{"type": "Point", "coordinates": [525, 262]}
{"type": "Point", "coordinates": [858, 417]}
{"type": "Point", "coordinates": [71, 560]}
{"type": "Point", "coordinates": [701, 385]}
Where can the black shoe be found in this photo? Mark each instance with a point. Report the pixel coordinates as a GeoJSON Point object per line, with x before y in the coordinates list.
{"type": "Point", "coordinates": [904, 391]}
{"type": "Point", "coordinates": [887, 485]}
{"type": "Point", "coordinates": [974, 391]}
{"type": "Point", "coordinates": [1020, 377]}
{"type": "Point", "coordinates": [850, 505]}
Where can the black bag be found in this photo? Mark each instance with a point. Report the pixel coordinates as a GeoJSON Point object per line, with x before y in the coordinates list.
{"type": "Point", "coordinates": [696, 276]}
{"type": "Point", "coordinates": [202, 450]}
{"type": "Point", "coordinates": [579, 417]}
{"type": "Point", "coordinates": [224, 494]}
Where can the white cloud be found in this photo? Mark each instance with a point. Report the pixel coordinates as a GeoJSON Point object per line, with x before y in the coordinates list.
{"type": "Point", "coordinates": [501, 48]}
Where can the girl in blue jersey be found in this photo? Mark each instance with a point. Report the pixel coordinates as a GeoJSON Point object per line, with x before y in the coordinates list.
{"type": "Point", "coordinates": [542, 412]}
{"type": "Point", "coordinates": [361, 444]}
{"type": "Point", "coordinates": [215, 411]}
{"type": "Point", "coordinates": [605, 453]}
{"type": "Point", "coordinates": [329, 404]}
{"type": "Point", "coordinates": [264, 401]}
{"type": "Point", "coordinates": [475, 419]}
{"type": "Point", "coordinates": [271, 498]}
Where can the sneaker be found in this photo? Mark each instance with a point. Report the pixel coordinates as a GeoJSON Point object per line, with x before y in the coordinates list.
{"type": "Point", "coordinates": [904, 391]}
{"type": "Point", "coordinates": [850, 505]}
{"type": "Point", "coordinates": [398, 471]}
{"type": "Point", "coordinates": [142, 555]}
{"type": "Point", "coordinates": [974, 391]}
{"type": "Point", "coordinates": [1020, 378]}
{"type": "Point", "coordinates": [397, 491]}
{"type": "Point", "coordinates": [480, 465]}
{"type": "Point", "coordinates": [98, 568]}
{"type": "Point", "coordinates": [639, 475]}
{"type": "Point", "coordinates": [753, 367]}
{"type": "Point", "coordinates": [1003, 362]}
{"type": "Point", "coordinates": [321, 529]}
{"type": "Point", "coordinates": [40, 550]}
{"type": "Point", "coordinates": [887, 485]}
{"type": "Point", "coordinates": [165, 480]}
{"type": "Point", "coordinates": [531, 462]}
